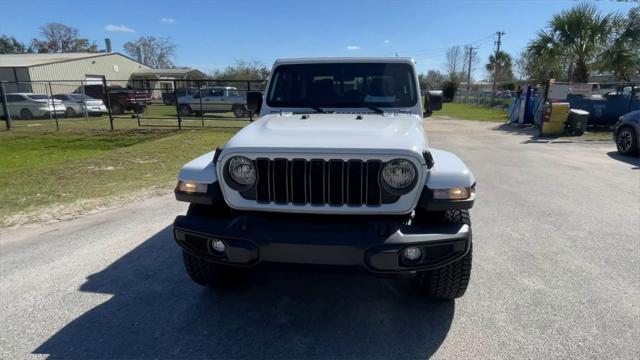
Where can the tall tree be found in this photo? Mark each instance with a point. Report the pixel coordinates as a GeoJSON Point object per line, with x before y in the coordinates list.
{"type": "Point", "coordinates": [622, 57]}
{"type": "Point", "coordinates": [9, 45]}
{"type": "Point", "coordinates": [60, 38]}
{"type": "Point", "coordinates": [500, 67]}
{"type": "Point", "coordinates": [576, 39]}
{"type": "Point", "coordinates": [155, 52]}
{"type": "Point", "coordinates": [455, 64]}
{"type": "Point", "coordinates": [432, 80]}
{"type": "Point", "coordinates": [243, 70]}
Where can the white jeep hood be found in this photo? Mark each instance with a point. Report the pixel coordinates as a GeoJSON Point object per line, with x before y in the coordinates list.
{"type": "Point", "coordinates": [339, 133]}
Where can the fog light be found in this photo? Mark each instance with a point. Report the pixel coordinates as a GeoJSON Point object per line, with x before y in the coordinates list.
{"type": "Point", "coordinates": [218, 246]}
{"type": "Point", "coordinates": [412, 253]}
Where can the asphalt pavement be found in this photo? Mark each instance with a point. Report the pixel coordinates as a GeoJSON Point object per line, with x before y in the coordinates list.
{"type": "Point", "coordinates": [556, 275]}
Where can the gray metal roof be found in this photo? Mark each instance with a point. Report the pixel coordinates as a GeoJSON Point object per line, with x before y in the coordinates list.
{"type": "Point", "coordinates": [27, 60]}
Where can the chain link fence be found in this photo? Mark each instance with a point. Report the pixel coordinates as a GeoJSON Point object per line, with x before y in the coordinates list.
{"type": "Point", "coordinates": [90, 104]}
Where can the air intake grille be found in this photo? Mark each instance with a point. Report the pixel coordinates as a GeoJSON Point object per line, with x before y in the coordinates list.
{"type": "Point", "coordinates": [319, 182]}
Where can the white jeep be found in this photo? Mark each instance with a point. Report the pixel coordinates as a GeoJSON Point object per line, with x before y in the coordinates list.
{"type": "Point", "coordinates": [336, 172]}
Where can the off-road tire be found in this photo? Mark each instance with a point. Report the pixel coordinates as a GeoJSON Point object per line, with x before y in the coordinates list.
{"type": "Point", "coordinates": [627, 141]}
{"type": "Point", "coordinates": [210, 274]}
{"type": "Point", "coordinates": [451, 281]}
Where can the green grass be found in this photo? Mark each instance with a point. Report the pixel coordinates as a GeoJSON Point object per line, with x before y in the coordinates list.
{"type": "Point", "coordinates": [471, 112]}
{"type": "Point", "coordinates": [51, 168]}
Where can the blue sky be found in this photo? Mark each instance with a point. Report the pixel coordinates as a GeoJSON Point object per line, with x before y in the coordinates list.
{"type": "Point", "coordinates": [213, 34]}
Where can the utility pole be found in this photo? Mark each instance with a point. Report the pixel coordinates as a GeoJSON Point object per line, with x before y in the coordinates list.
{"type": "Point", "coordinates": [495, 59]}
{"type": "Point", "coordinates": [471, 49]}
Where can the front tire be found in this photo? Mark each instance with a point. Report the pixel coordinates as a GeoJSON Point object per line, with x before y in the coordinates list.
{"type": "Point", "coordinates": [210, 274]}
{"type": "Point", "coordinates": [26, 114]}
{"type": "Point", "coordinates": [451, 281]}
{"type": "Point", "coordinates": [70, 112]}
{"type": "Point", "coordinates": [627, 141]}
{"type": "Point", "coordinates": [239, 111]}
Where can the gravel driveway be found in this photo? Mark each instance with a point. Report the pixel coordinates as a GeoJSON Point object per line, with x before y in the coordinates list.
{"type": "Point", "coordinates": [556, 275]}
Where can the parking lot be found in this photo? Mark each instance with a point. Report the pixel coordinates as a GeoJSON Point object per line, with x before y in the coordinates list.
{"type": "Point", "coordinates": [556, 229]}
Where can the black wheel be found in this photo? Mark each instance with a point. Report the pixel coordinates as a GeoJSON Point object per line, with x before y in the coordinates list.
{"type": "Point", "coordinates": [26, 114]}
{"type": "Point", "coordinates": [627, 141]}
{"type": "Point", "coordinates": [70, 112]}
{"type": "Point", "coordinates": [206, 273]}
{"type": "Point", "coordinates": [185, 110]}
{"type": "Point", "coordinates": [117, 109]}
{"type": "Point", "coordinates": [451, 281]}
{"type": "Point", "coordinates": [240, 111]}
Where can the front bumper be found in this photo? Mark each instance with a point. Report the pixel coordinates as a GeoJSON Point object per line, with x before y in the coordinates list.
{"type": "Point", "coordinates": [372, 244]}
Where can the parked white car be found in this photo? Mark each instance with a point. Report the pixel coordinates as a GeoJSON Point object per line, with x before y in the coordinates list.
{"type": "Point", "coordinates": [214, 99]}
{"type": "Point", "coordinates": [30, 105]}
{"type": "Point", "coordinates": [336, 172]}
{"type": "Point", "coordinates": [77, 104]}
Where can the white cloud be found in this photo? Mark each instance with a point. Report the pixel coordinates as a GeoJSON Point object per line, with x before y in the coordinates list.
{"type": "Point", "coordinates": [353, 47]}
{"type": "Point", "coordinates": [386, 41]}
{"type": "Point", "coordinates": [118, 28]}
{"type": "Point", "coordinates": [168, 20]}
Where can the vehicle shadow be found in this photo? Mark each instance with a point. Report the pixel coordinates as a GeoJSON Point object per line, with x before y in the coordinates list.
{"type": "Point", "coordinates": [631, 160]}
{"type": "Point", "coordinates": [157, 312]}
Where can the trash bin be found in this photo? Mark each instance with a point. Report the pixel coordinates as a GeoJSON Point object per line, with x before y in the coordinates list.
{"type": "Point", "coordinates": [554, 118]}
{"type": "Point", "coordinates": [577, 122]}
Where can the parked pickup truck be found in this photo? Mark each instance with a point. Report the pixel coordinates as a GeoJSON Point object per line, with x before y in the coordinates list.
{"type": "Point", "coordinates": [213, 99]}
{"type": "Point", "coordinates": [336, 172]}
{"type": "Point", "coordinates": [121, 99]}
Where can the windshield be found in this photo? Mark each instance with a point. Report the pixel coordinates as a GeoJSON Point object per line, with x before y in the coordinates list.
{"type": "Point", "coordinates": [38, 97]}
{"type": "Point", "coordinates": [343, 85]}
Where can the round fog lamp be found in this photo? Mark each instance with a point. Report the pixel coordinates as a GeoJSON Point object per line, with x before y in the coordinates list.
{"type": "Point", "coordinates": [218, 246]}
{"type": "Point", "coordinates": [412, 253]}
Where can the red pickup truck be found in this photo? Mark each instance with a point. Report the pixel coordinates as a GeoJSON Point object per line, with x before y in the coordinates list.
{"type": "Point", "coordinates": [121, 99]}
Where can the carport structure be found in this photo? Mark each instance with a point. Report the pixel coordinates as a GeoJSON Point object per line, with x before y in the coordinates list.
{"type": "Point", "coordinates": [159, 81]}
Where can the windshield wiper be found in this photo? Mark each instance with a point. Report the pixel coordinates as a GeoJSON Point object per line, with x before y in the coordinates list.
{"type": "Point", "coordinates": [317, 109]}
{"type": "Point", "coordinates": [376, 110]}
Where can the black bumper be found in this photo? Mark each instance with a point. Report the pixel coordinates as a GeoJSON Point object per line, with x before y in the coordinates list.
{"type": "Point", "coordinates": [372, 244]}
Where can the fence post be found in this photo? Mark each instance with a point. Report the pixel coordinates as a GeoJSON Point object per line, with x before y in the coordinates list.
{"type": "Point", "coordinates": [53, 105]}
{"type": "Point", "coordinates": [201, 109]}
{"type": "Point", "coordinates": [84, 102]}
{"type": "Point", "coordinates": [175, 96]}
{"type": "Point", "coordinates": [5, 107]}
{"type": "Point", "coordinates": [106, 91]}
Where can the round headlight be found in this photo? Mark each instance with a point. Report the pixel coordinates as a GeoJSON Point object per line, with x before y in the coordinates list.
{"type": "Point", "coordinates": [398, 173]}
{"type": "Point", "coordinates": [242, 170]}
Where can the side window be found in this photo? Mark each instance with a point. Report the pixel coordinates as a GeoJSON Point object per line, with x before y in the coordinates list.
{"type": "Point", "coordinates": [218, 92]}
{"type": "Point", "coordinates": [14, 98]}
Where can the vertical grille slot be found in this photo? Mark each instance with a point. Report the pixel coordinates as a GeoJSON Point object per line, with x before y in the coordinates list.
{"type": "Point", "coordinates": [354, 182]}
{"type": "Point", "coordinates": [262, 186]}
{"type": "Point", "coordinates": [298, 181]}
{"type": "Point", "coordinates": [373, 190]}
{"type": "Point", "coordinates": [336, 186]}
{"type": "Point", "coordinates": [318, 182]}
{"type": "Point", "coordinates": [280, 181]}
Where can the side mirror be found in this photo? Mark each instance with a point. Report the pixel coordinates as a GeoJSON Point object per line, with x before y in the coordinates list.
{"type": "Point", "coordinates": [254, 101]}
{"type": "Point", "coordinates": [432, 102]}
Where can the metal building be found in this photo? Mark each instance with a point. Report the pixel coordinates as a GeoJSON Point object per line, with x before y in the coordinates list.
{"type": "Point", "coordinates": [33, 70]}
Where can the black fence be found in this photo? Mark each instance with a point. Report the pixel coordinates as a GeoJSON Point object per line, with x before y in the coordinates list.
{"type": "Point", "coordinates": [125, 104]}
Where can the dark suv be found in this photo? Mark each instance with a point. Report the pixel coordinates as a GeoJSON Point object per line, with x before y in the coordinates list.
{"type": "Point", "coordinates": [121, 99]}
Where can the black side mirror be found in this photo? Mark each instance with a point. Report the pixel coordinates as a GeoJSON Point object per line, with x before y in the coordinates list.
{"type": "Point", "coordinates": [432, 102]}
{"type": "Point", "coordinates": [254, 101]}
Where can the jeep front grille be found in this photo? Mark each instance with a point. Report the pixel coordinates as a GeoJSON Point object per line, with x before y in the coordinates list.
{"type": "Point", "coordinates": [319, 182]}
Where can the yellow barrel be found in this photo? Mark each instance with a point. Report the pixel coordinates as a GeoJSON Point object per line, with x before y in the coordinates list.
{"type": "Point", "coordinates": [555, 116]}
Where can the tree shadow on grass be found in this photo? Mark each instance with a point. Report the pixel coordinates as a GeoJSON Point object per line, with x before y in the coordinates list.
{"type": "Point", "coordinates": [157, 312]}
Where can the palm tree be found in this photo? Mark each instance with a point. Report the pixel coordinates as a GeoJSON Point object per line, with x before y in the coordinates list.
{"type": "Point", "coordinates": [578, 35]}
{"type": "Point", "coordinates": [501, 62]}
